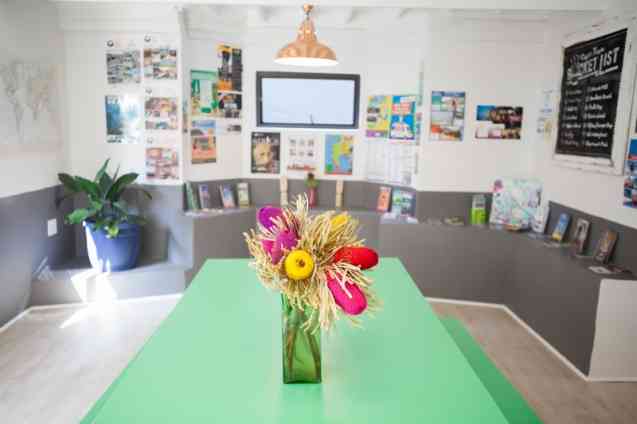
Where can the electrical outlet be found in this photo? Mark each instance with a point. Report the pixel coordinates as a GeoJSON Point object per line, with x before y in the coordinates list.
{"type": "Point", "coordinates": [52, 227]}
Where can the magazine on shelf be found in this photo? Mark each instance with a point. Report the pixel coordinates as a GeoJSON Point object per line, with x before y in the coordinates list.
{"type": "Point", "coordinates": [227, 196]}
{"type": "Point", "coordinates": [605, 246]}
{"type": "Point", "coordinates": [580, 236]}
{"type": "Point", "coordinates": [191, 200]}
{"type": "Point", "coordinates": [561, 227]}
{"type": "Point", "coordinates": [243, 194]}
{"type": "Point", "coordinates": [204, 197]}
{"type": "Point", "coordinates": [384, 199]}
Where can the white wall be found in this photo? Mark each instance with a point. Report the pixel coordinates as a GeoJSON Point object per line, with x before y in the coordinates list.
{"type": "Point", "coordinates": [594, 193]}
{"type": "Point", "coordinates": [29, 33]}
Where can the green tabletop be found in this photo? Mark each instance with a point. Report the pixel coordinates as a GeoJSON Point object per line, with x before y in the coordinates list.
{"type": "Point", "coordinates": [217, 359]}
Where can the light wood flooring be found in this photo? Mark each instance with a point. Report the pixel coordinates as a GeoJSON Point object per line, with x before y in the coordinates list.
{"type": "Point", "coordinates": [55, 363]}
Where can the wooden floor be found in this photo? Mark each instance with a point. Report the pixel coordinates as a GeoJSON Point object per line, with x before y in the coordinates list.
{"type": "Point", "coordinates": [55, 363]}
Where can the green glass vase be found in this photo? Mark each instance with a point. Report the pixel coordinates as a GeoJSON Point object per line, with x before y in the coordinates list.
{"type": "Point", "coordinates": [301, 349]}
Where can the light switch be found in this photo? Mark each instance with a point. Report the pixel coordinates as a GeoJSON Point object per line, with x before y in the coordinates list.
{"type": "Point", "coordinates": [52, 227]}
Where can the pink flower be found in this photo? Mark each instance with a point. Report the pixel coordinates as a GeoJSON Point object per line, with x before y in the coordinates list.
{"type": "Point", "coordinates": [267, 215]}
{"type": "Point", "coordinates": [285, 240]}
{"type": "Point", "coordinates": [352, 303]}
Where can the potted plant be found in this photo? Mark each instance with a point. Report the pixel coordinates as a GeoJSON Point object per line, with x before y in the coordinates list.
{"type": "Point", "coordinates": [112, 232]}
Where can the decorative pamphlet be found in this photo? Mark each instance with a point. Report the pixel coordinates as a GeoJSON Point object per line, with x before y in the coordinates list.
{"type": "Point", "coordinates": [205, 201]}
{"type": "Point", "coordinates": [203, 141]}
{"type": "Point", "coordinates": [499, 122]}
{"type": "Point", "coordinates": [605, 246]}
{"type": "Point", "coordinates": [384, 199]}
{"type": "Point", "coordinates": [302, 152]}
{"type": "Point", "coordinates": [403, 202]}
{"type": "Point", "coordinates": [243, 194]}
{"type": "Point", "coordinates": [162, 163]}
{"type": "Point", "coordinates": [339, 154]}
{"type": "Point", "coordinates": [546, 115]}
{"type": "Point", "coordinates": [266, 150]}
{"type": "Point", "coordinates": [378, 116]}
{"type": "Point", "coordinates": [160, 112]}
{"type": "Point", "coordinates": [403, 118]}
{"type": "Point", "coordinates": [160, 60]}
{"type": "Point", "coordinates": [580, 236]}
{"type": "Point", "coordinates": [227, 196]}
{"type": "Point", "coordinates": [515, 201]}
{"type": "Point", "coordinates": [561, 227]}
{"type": "Point", "coordinates": [123, 118]}
{"type": "Point", "coordinates": [447, 116]}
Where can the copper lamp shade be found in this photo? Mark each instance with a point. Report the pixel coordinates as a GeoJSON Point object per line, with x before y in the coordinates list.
{"type": "Point", "coordinates": [306, 50]}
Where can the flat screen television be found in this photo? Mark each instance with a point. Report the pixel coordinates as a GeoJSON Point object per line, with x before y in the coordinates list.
{"type": "Point", "coordinates": [307, 100]}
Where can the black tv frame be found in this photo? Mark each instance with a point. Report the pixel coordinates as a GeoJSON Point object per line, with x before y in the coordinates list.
{"type": "Point", "coordinates": [314, 76]}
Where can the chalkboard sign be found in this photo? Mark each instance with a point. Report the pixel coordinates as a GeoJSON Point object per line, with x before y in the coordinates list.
{"type": "Point", "coordinates": [591, 77]}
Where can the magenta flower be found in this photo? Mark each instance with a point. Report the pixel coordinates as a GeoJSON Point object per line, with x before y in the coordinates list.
{"type": "Point", "coordinates": [267, 215]}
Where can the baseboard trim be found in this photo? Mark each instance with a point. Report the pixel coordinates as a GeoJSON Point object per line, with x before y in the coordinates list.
{"type": "Point", "coordinates": [532, 332]}
{"type": "Point", "coordinates": [146, 299]}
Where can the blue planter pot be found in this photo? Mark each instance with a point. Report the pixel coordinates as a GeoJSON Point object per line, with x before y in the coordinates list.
{"type": "Point", "coordinates": [113, 254]}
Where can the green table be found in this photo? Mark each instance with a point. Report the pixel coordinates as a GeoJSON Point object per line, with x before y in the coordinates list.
{"type": "Point", "coordinates": [217, 359]}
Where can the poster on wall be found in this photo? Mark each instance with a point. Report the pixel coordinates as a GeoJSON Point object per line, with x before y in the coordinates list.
{"type": "Point", "coordinates": [339, 154]}
{"type": "Point", "coordinates": [231, 69]}
{"type": "Point", "coordinates": [204, 99]}
{"type": "Point", "coordinates": [630, 183]}
{"type": "Point", "coordinates": [515, 201]}
{"type": "Point", "coordinates": [266, 152]}
{"type": "Point", "coordinates": [203, 141]}
{"type": "Point", "coordinates": [376, 169]}
{"type": "Point", "coordinates": [123, 62]}
{"type": "Point", "coordinates": [401, 163]}
{"type": "Point", "coordinates": [123, 118]}
{"type": "Point", "coordinates": [378, 116]}
{"type": "Point", "coordinates": [162, 163]}
{"type": "Point", "coordinates": [403, 118]}
{"type": "Point", "coordinates": [499, 122]}
{"type": "Point", "coordinates": [301, 150]}
{"type": "Point", "coordinates": [591, 76]}
{"type": "Point", "coordinates": [230, 105]}
{"type": "Point", "coordinates": [160, 112]}
{"type": "Point", "coordinates": [545, 118]}
{"type": "Point", "coordinates": [447, 116]}
{"type": "Point", "coordinates": [160, 60]}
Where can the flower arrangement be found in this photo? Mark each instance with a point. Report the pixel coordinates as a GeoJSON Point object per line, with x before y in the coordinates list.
{"type": "Point", "coordinates": [316, 262]}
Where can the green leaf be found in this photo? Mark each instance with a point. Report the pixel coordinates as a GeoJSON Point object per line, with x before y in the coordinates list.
{"type": "Point", "coordinates": [79, 215]}
{"type": "Point", "coordinates": [96, 205]}
{"type": "Point", "coordinates": [69, 182]}
{"type": "Point", "coordinates": [101, 172]}
{"type": "Point", "coordinates": [121, 206]}
{"type": "Point", "coordinates": [89, 187]}
{"type": "Point", "coordinates": [105, 183]}
{"type": "Point", "coordinates": [146, 193]}
{"type": "Point", "coordinates": [119, 185]}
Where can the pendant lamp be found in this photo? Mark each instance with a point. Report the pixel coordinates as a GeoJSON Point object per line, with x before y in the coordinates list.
{"type": "Point", "coordinates": [306, 50]}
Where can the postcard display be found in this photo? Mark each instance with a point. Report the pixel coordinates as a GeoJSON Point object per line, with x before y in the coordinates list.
{"type": "Point", "coordinates": [141, 102]}
{"type": "Point", "coordinates": [393, 126]}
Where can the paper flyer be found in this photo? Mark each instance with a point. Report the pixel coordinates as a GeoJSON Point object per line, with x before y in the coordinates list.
{"type": "Point", "coordinates": [204, 99]}
{"type": "Point", "coordinates": [630, 183]}
{"type": "Point", "coordinates": [376, 160]}
{"type": "Point", "coordinates": [160, 110]}
{"type": "Point", "coordinates": [301, 149]}
{"type": "Point", "coordinates": [499, 122]}
{"type": "Point", "coordinates": [123, 118]}
{"type": "Point", "coordinates": [160, 59]}
{"type": "Point", "coordinates": [447, 116]}
{"type": "Point", "coordinates": [378, 116]}
{"type": "Point", "coordinates": [339, 154]}
{"type": "Point", "coordinates": [266, 152]}
{"type": "Point", "coordinates": [231, 68]}
{"type": "Point", "coordinates": [162, 163]}
{"type": "Point", "coordinates": [515, 201]}
{"type": "Point", "coordinates": [203, 141]}
{"type": "Point", "coordinates": [546, 115]}
{"type": "Point", "coordinates": [403, 118]}
{"type": "Point", "coordinates": [123, 62]}
{"type": "Point", "coordinates": [401, 164]}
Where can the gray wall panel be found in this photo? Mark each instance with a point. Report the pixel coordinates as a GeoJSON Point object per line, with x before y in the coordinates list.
{"type": "Point", "coordinates": [24, 244]}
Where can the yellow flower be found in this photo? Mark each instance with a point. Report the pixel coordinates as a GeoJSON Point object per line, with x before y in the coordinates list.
{"type": "Point", "coordinates": [299, 265]}
{"type": "Point", "coordinates": [338, 221]}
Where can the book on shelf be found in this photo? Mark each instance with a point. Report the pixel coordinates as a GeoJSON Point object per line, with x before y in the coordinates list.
{"type": "Point", "coordinates": [580, 235]}
{"type": "Point", "coordinates": [479, 210]}
{"type": "Point", "coordinates": [561, 227]}
{"type": "Point", "coordinates": [403, 202]}
{"type": "Point", "coordinates": [243, 194]}
{"type": "Point", "coordinates": [384, 199]}
{"type": "Point", "coordinates": [605, 246]}
{"type": "Point", "coordinates": [192, 203]}
{"type": "Point", "coordinates": [540, 219]}
{"type": "Point", "coordinates": [205, 200]}
{"type": "Point", "coordinates": [227, 196]}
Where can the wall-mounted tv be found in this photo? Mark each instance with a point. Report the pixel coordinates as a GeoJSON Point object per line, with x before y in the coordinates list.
{"type": "Point", "coordinates": [307, 100]}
